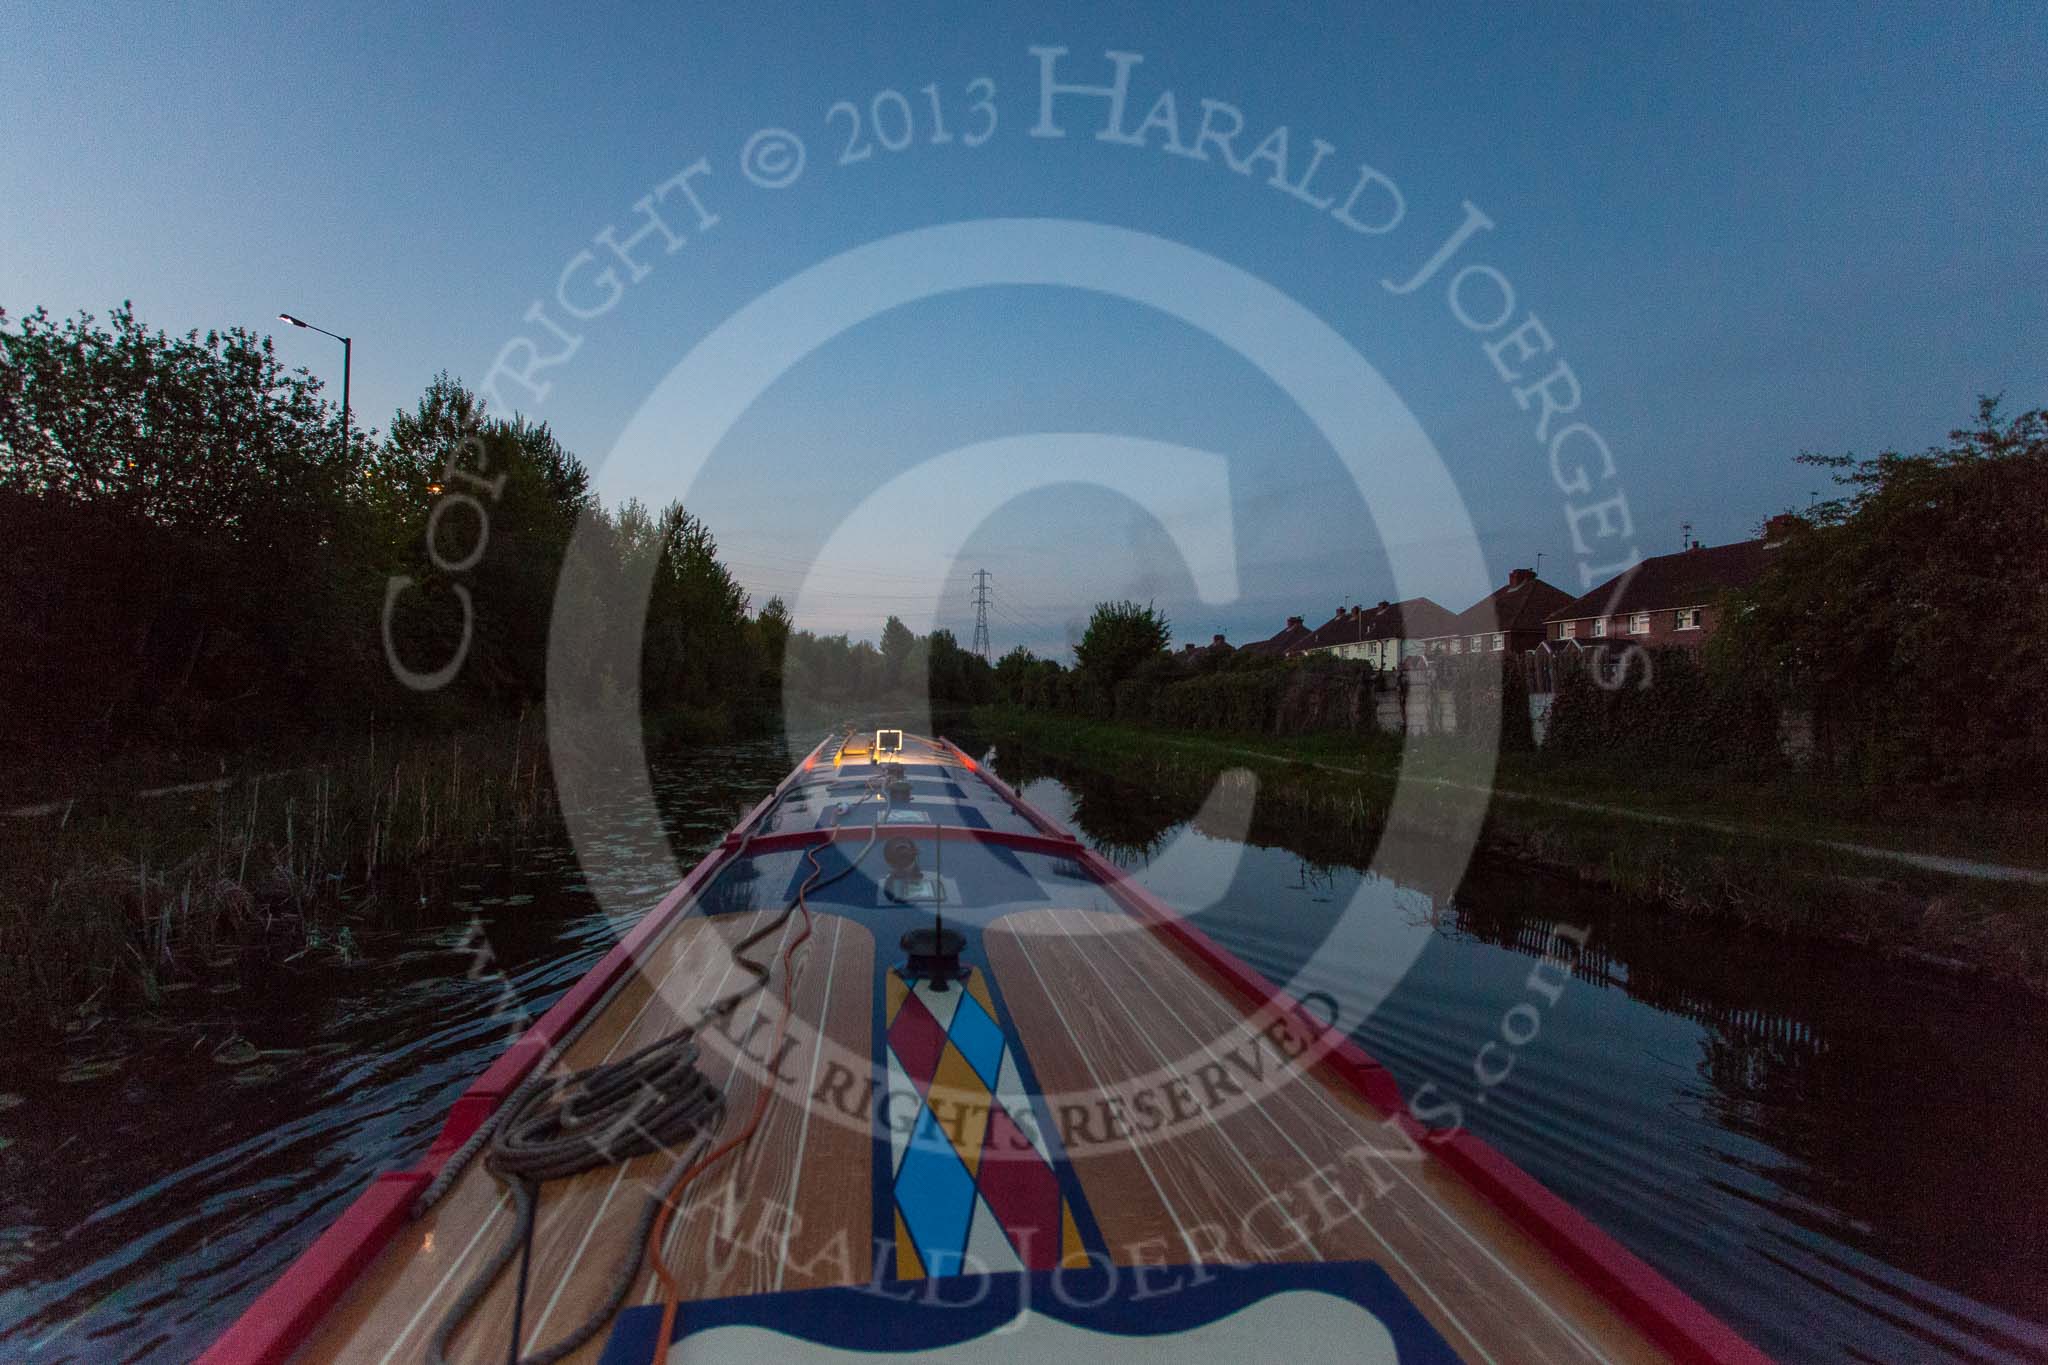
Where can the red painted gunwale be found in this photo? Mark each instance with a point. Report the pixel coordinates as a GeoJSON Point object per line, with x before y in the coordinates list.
{"type": "Point", "coordinates": [285, 1315]}
{"type": "Point", "coordinates": [1663, 1312]}
{"type": "Point", "coordinates": [281, 1320]}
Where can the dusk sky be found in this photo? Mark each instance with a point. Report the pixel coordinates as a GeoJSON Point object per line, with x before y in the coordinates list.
{"type": "Point", "coordinates": [1747, 234]}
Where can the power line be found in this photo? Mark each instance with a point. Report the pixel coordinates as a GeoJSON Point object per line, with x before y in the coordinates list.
{"type": "Point", "coordinates": [778, 564]}
{"type": "Point", "coordinates": [1035, 618]}
{"type": "Point", "coordinates": [854, 595]}
{"type": "Point", "coordinates": [1037, 629]}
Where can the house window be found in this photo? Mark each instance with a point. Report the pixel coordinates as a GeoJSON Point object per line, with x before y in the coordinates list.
{"type": "Point", "coordinates": [1599, 627]}
{"type": "Point", "coordinates": [1478, 643]}
{"type": "Point", "coordinates": [1689, 618]}
{"type": "Point", "coordinates": [1639, 624]}
{"type": "Point", "coordinates": [1567, 629]}
{"type": "Point", "coordinates": [1500, 642]}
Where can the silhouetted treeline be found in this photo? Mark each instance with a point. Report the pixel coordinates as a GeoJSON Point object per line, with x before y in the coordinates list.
{"type": "Point", "coordinates": [837, 670]}
{"type": "Point", "coordinates": [196, 559]}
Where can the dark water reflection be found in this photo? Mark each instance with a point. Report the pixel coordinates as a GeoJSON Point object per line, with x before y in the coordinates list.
{"type": "Point", "coordinates": [151, 1186]}
{"type": "Point", "coordinates": [1837, 1155]}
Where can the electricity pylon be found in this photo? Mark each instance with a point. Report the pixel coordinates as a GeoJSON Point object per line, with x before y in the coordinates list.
{"type": "Point", "coordinates": [980, 645]}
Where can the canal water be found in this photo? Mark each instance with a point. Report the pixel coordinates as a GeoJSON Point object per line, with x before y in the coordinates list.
{"type": "Point", "coordinates": [1840, 1156]}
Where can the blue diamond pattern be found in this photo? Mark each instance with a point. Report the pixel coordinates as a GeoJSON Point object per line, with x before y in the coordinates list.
{"type": "Point", "coordinates": [978, 1039]}
{"type": "Point", "coordinates": [936, 1195]}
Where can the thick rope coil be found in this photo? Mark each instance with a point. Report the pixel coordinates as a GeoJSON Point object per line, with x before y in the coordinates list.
{"type": "Point", "coordinates": [655, 1100]}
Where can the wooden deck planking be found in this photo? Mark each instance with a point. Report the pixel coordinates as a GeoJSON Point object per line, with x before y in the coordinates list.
{"type": "Point", "coordinates": [1106, 1006]}
{"type": "Point", "coordinates": [804, 1179]}
{"type": "Point", "coordinates": [585, 1224]}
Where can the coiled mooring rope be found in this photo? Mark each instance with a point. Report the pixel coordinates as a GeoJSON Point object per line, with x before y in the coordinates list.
{"type": "Point", "coordinates": [554, 1127]}
{"type": "Point", "coordinates": [655, 1100]}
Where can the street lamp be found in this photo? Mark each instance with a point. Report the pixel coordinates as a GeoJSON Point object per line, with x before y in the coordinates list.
{"type": "Point", "coordinates": [346, 346]}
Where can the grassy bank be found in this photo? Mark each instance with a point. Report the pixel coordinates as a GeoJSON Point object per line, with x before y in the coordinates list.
{"type": "Point", "coordinates": [120, 895]}
{"type": "Point", "coordinates": [1753, 854]}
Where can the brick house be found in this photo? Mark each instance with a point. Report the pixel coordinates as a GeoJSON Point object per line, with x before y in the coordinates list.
{"type": "Point", "coordinates": [1381, 635]}
{"type": "Point", "coordinates": [1668, 599]}
{"type": "Point", "coordinates": [1282, 644]}
{"type": "Point", "coordinates": [1510, 619]}
{"type": "Point", "coordinates": [1218, 649]}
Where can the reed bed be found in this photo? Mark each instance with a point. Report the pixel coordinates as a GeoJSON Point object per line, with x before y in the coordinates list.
{"type": "Point", "coordinates": [123, 898]}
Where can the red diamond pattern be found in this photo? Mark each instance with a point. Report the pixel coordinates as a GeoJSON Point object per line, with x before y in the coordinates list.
{"type": "Point", "coordinates": [1021, 1191]}
{"type": "Point", "coordinates": [917, 1041]}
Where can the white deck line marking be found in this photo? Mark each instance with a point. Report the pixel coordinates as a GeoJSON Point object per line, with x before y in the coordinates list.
{"type": "Point", "coordinates": [1287, 1137]}
{"type": "Point", "coordinates": [454, 1266]}
{"type": "Point", "coordinates": [542, 1228]}
{"type": "Point", "coordinates": [803, 1132]}
{"type": "Point", "coordinates": [618, 1171]}
{"type": "Point", "coordinates": [1194, 1255]}
{"type": "Point", "coordinates": [533, 1338]}
{"type": "Point", "coordinates": [1334, 1108]}
{"type": "Point", "coordinates": [546, 1225]}
{"type": "Point", "coordinates": [673, 967]}
{"type": "Point", "coordinates": [681, 1217]}
{"type": "Point", "coordinates": [497, 1210]}
{"type": "Point", "coordinates": [1138, 1030]}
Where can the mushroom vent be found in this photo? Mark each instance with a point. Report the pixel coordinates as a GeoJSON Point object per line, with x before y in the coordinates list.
{"type": "Point", "coordinates": [933, 954]}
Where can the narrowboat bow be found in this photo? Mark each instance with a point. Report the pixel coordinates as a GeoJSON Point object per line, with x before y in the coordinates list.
{"type": "Point", "coordinates": [903, 1068]}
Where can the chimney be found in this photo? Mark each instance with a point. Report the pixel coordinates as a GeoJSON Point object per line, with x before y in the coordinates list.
{"type": "Point", "coordinates": [1783, 525]}
{"type": "Point", "coordinates": [1294, 623]}
{"type": "Point", "coordinates": [1215, 641]}
{"type": "Point", "coordinates": [1517, 577]}
{"type": "Point", "coordinates": [1382, 606]}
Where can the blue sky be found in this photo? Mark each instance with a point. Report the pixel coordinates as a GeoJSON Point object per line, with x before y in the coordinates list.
{"type": "Point", "coordinates": [1748, 233]}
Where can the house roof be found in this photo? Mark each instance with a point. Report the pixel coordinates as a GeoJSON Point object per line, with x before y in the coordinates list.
{"type": "Point", "coordinates": [1413, 619]}
{"type": "Point", "coordinates": [1689, 578]}
{"type": "Point", "coordinates": [1517, 606]}
{"type": "Point", "coordinates": [1217, 645]}
{"type": "Point", "coordinates": [1345, 628]}
{"type": "Point", "coordinates": [1290, 637]}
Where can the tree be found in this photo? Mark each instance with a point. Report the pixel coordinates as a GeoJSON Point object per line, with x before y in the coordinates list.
{"type": "Point", "coordinates": [695, 618]}
{"type": "Point", "coordinates": [774, 626]}
{"type": "Point", "coordinates": [195, 557]}
{"type": "Point", "coordinates": [946, 667]}
{"type": "Point", "coordinates": [178, 513]}
{"type": "Point", "coordinates": [1120, 637]}
{"type": "Point", "coordinates": [897, 643]}
{"type": "Point", "coordinates": [511, 494]}
{"type": "Point", "coordinates": [1014, 672]}
{"type": "Point", "coordinates": [1910, 618]}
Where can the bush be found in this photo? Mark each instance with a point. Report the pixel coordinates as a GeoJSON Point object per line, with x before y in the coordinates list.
{"type": "Point", "coordinates": [1875, 620]}
{"type": "Point", "coordinates": [1662, 708]}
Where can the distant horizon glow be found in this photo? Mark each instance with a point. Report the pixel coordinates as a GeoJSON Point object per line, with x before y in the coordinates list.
{"type": "Point", "coordinates": [1749, 235]}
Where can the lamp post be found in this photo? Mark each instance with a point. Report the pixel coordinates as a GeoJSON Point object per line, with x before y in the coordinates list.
{"type": "Point", "coordinates": [347, 346]}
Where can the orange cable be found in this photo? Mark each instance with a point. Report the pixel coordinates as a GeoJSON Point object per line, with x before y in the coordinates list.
{"type": "Point", "coordinates": [673, 1290]}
